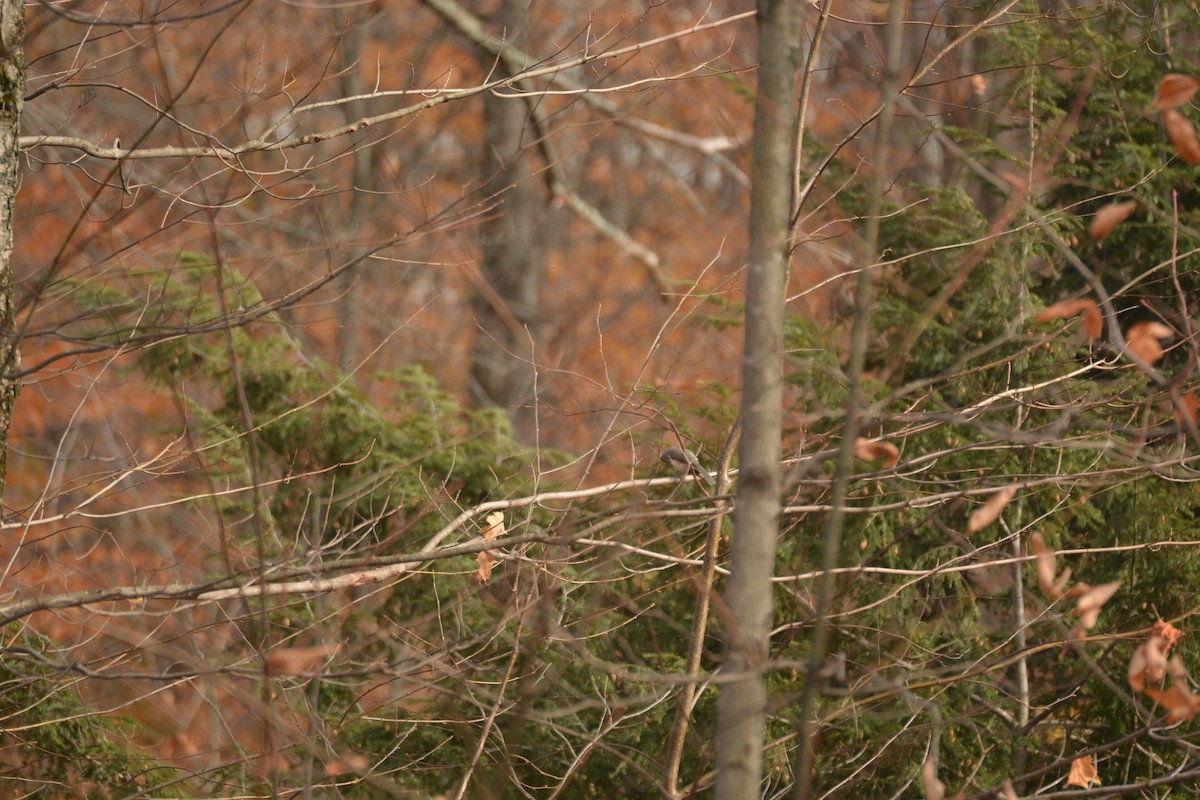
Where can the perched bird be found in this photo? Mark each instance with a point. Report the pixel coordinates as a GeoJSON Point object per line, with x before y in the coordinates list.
{"type": "Point", "coordinates": [686, 462]}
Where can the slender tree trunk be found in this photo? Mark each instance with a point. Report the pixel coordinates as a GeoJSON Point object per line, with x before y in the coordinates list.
{"type": "Point", "coordinates": [348, 286]}
{"type": "Point", "coordinates": [742, 705]}
{"type": "Point", "coordinates": [12, 100]}
{"type": "Point", "coordinates": [506, 310]}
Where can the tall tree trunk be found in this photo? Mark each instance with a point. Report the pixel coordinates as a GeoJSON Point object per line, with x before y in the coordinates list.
{"type": "Point", "coordinates": [506, 308]}
{"type": "Point", "coordinates": [742, 705]}
{"type": "Point", "coordinates": [12, 100]}
{"type": "Point", "coordinates": [348, 286]}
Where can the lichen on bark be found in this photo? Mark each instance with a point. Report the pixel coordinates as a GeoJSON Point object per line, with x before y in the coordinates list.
{"type": "Point", "coordinates": [12, 100]}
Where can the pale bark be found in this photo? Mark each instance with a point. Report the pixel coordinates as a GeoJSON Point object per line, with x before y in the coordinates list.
{"type": "Point", "coordinates": [12, 100]}
{"type": "Point", "coordinates": [742, 704]}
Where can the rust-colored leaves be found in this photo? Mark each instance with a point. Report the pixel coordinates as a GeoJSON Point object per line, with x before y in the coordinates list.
{"type": "Point", "coordinates": [1177, 699]}
{"type": "Point", "coordinates": [1109, 217]}
{"type": "Point", "coordinates": [485, 559]}
{"type": "Point", "coordinates": [296, 660]}
{"type": "Point", "coordinates": [882, 451]}
{"type": "Point", "coordinates": [1174, 90]}
{"type": "Point", "coordinates": [1093, 323]}
{"type": "Point", "coordinates": [1090, 599]}
{"type": "Point", "coordinates": [1083, 773]}
{"type": "Point", "coordinates": [1149, 661]}
{"type": "Point", "coordinates": [989, 512]}
{"type": "Point", "coordinates": [1144, 340]}
{"type": "Point", "coordinates": [1185, 410]}
{"type": "Point", "coordinates": [1182, 135]}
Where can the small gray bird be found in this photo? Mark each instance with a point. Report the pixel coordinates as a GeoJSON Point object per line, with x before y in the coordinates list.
{"type": "Point", "coordinates": [686, 462]}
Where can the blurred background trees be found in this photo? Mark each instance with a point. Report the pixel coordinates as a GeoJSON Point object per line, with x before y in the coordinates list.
{"type": "Point", "coordinates": [348, 339]}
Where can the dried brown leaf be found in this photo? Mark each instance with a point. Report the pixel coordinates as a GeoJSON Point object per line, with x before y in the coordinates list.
{"type": "Point", "coordinates": [989, 512]}
{"type": "Point", "coordinates": [1182, 135]}
{"type": "Point", "coordinates": [340, 766]}
{"type": "Point", "coordinates": [1137, 668]}
{"type": "Point", "coordinates": [1059, 590]}
{"type": "Point", "coordinates": [1093, 322]}
{"type": "Point", "coordinates": [1153, 329]}
{"type": "Point", "coordinates": [1045, 566]}
{"type": "Point", "coordinates": [1146, 349]}
{"type": "Point", "coordinates": [1096, 597]}
{"type": "Point", "coordinates": [1038, 544]}
{"type": "Point", "coordinates": [296, 660]}
{"type": "Point", "coordinates": [1174, 90]}
{"type": "Point", "coordinates": [1185, 410]}
{"type": "Point", "coordinates": [495, 526]}
{"type": "Point", "coordinates": [1109, 217]}
{"type": "Point", "coordinates": [1177, 671]}
{"type": "Point", "coordinates": [1156, 658]}
{"type": "Point", "coordinates": [486, 561]}
{"type": "Point", "coordinates": [1143, 340]}
{"type": "Point", "coordinates": [1177, 700]}
{"type": "Point", "coordinates": [1083, 773]}
{"type": "Point", "coordinates": [1168, 632]}
{"type": "Point", "coordinates": [885, 452]}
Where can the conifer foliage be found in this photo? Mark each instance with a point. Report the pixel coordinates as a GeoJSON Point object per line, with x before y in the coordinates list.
{"type": "Point", "coordinates": [266, 534]}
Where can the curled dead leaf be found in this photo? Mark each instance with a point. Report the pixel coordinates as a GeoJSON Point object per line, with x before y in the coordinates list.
{"type": "Point", "coordinates": [1155, 651]}
{"type": "Point", "coordinates": [295, 660]}
{"type": "Point", "coordinates": [1177, 670]}
{"type": "Point", "coordinates": [1136, 674]}
{"type": "Point", "coordinates": [1174, 90]}
{"type": "Point", "coordinates": [1083, 773]}
{"type": "Point", "coordinates": [1182, 135]}
{"type": "Point", "coordinates": [1146, 349]}
{"type": "Point", "coordinates": [495, 526]}
{"type": "Point", "coordinates": [486, 561]}
{"type": "Point", "coordinates": [1093, 322]}
{"type": "Point", "coordinates": [1109, 217]}
{"type": "Point", "coordinates": [989, 512]}
{"type": "Point", "coordinates": [1059, 589]}
{"type": "Point", "coordinates": [340, 766]}
{"type": "Point", "coordinates": [1149, 661]}
{"type": "Point", "coordinates": [1169, 633]}
{"type": "Point", "coordinates": [885, 452]}
{"type": "Point", "coordinates": [1178, 700]}
{"type": "Point", "coordinates": [1156, 330]}
{"type": "Point", "coordinates": [1097, 596]}
{"type": "Point", "coordinates": [1144, 340]}
{"type": "Point", "coordinates": [1045, 567]}
{"type": "Point", "coordinates": [1186, 408]}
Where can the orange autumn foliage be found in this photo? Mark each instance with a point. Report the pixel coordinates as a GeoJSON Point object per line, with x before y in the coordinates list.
{"type": "Point", "coordinates": [989, 512]}
{"type": "Point", "coordinates": [1109, 217]}
{"type": "Point", "coordinates": [1093, 322]}
{"type": "Point", "coordinates": [1182, 135]}
{"type": "Point", "coordinates": [881, 451]}
{"type": "Point", "coordinates": [1083, 773]}
{"type": "Point", "coordinates": [1144, 340]}
{"type": "Point", "coordinates": [1174, 90]}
